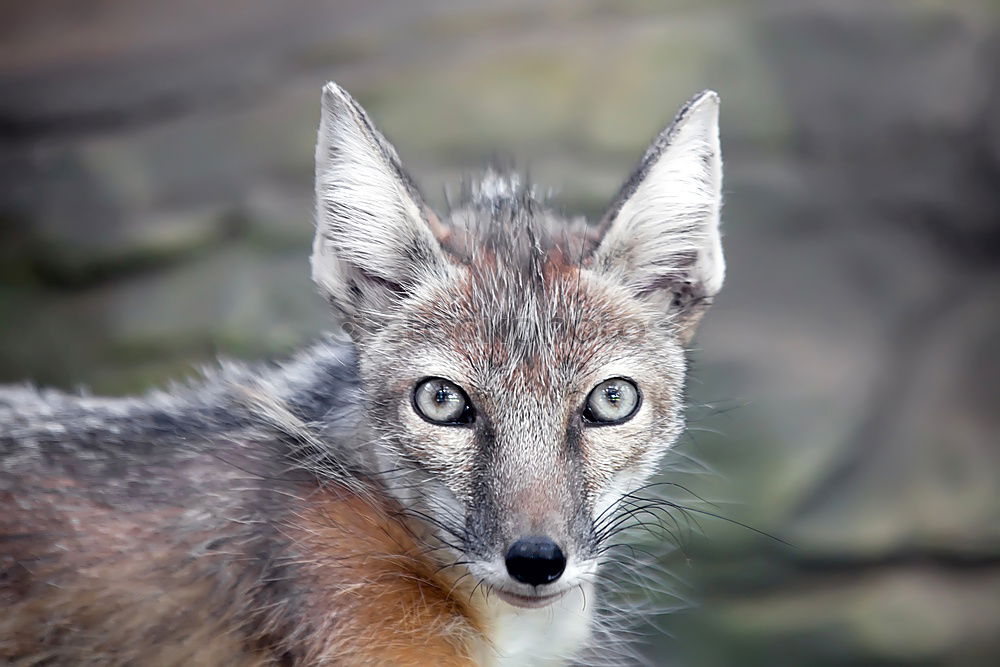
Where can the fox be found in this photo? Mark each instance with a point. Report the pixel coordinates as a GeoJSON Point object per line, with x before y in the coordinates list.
{"type": "Point", "coordinates": [435, 483]}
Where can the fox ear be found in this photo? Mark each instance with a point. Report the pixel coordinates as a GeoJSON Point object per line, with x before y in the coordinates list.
{"type": "Point", "coordinates": [661, 236]}
{"type": "Point", "coordinates": [373, 237]}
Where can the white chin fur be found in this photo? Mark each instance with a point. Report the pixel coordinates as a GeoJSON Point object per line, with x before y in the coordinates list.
{"type": "Point", "coordinates": [547, 635]}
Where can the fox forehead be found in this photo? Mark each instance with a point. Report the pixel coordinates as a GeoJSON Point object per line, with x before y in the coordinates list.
{"type": "Point", "coordinates": [506, 313]}
{"type": "Point", "coordinates": [520, 289]}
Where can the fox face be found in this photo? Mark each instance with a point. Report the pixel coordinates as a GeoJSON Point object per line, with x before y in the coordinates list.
{"type": "Point", "coordinates": [522, 372]}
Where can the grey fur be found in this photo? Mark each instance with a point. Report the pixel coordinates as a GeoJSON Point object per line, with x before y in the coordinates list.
{"type": "Point", "coordinates": [524, 309]}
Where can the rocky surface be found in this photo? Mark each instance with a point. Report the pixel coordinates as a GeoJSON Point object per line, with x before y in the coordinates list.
{"type": "Point", "coordinates": [155, 212]}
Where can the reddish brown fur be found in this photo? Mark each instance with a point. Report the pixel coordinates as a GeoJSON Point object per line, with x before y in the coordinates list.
{"type": "Point", "coordinates": [394, 605]}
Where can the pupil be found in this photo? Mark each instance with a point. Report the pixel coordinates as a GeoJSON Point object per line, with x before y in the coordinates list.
{"type": "Point", "coordinates": [441, 396]}
{"type": "Point", "coordinates": [613, 394]}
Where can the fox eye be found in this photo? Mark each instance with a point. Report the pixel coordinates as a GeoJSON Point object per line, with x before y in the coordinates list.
{"type": "Point", "coordinates": [612, 402]}
{"type": "Point", "coordinates": [442, 402]}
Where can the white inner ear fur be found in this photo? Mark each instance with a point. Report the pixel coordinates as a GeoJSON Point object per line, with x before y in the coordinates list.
{"type": "Point", "coordinates": [672, 215]}
{"type": "Point", "coordinates": [368, 223]}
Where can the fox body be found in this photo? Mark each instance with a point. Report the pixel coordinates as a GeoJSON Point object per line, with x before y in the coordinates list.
{"type": "Point", "coordinates": [438, 489]}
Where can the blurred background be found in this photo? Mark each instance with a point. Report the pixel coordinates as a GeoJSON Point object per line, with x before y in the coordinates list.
{"type": "Point", "coordinates": [155, 212]}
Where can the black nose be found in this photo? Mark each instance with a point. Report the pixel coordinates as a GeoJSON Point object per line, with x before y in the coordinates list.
{"type": "Point", "coordinates": [535, 561]}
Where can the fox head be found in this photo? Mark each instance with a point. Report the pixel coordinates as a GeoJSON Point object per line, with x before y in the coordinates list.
{"type": "Point", "coordinates": [521, 372]}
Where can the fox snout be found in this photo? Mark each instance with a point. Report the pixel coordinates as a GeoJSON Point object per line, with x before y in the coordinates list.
{"type": "Point", "coordinates": [537, 534]}
{"type": "Point", "coordinates": [537, 544]}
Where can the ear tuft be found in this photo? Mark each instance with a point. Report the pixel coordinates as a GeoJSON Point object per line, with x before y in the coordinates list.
{"type": "Point", "coordinates": [661, 236]}
{"type": "Point", "coordinates": [372, 239]}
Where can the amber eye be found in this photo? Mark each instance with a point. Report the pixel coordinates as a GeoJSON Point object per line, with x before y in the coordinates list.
{"type": "Point", "coordinates": [440, 401]}
{"type": "Point", "coordinates": [612, 402]}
